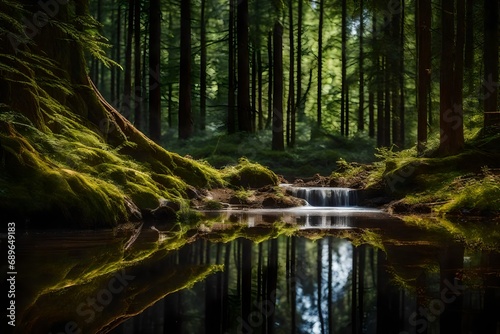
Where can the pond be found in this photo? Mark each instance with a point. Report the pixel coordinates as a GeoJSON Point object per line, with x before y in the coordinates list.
{"type": "Point", "coordinates": [307, 270]}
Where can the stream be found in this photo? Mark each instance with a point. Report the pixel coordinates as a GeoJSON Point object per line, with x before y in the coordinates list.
{"type": "Point", "coordinates": [329, 267]}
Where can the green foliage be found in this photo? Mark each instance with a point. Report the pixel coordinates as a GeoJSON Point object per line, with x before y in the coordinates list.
{"type": "Point", "coordinates": [479, 195]}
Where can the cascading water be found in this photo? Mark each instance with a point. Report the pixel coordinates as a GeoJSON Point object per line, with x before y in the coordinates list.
{"type": "Point", "coordinates": [326, 196]}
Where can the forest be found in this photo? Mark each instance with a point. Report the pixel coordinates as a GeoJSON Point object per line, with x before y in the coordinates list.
{"type": "Point", "coordinates": [293, 71]}
{"type": "Point", "coordinates": [250, 166]}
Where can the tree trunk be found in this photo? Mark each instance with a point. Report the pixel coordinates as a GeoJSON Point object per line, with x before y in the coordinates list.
{"type": "Point", "coordinates": [253, 109]}
{"type": "Point", "coordinates": [154, 70]}
{"type": "Point", "coordinates": [291, 110]}
{"type": "Point", "coordinates": [185, 116]}
{"type": "Point", "coordinates": [127, 92]}
{"type": "Point", "coordinates": [203, 67]}
{"type": "Point", "coordinates": [137, 90]}
{"type": "Point", "coordinates": [361, 121]}
{"type": "Point", "coordinates": [490, 58]}
{"type": "Point", "coordinates": [300, 102]}
{"type": "Point", "coordinates": [450, 115]}
{"type": "Point", "coordinates": [320, 63]}
{"type": "Point", "coordinates": [231, 117]}
{"type": "Point", "coordinates": [244, 117]}
{"type": "Point", "coordinates": [271, 79]}
{"type": "Point", "coordinates": [259, 91]}
{"type": "Point", "coordinates": [278, 140]}
{"type": "Point", "coordinates": [469, 46]}
{"type": "Point", "coordinates": [424, 69]}
{"type": "Point", "coordinates": [343, 103]}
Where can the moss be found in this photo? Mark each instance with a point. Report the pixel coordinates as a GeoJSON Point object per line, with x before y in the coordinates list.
{"type": "Point", "coordinates": [249, 175]}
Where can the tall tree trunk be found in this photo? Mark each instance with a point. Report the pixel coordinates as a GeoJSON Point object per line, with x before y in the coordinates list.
{"type": "Point", "coordinates": [387, 102]}
{"type": "Point", "coordinates": [114, 51]}
{"type": "Point", "coordinates": [395, 72]}
{"type": "Point", "coordinates": [320, 63]}
{"type": "Point", "coordinates": [424, 69]}
{"type": "Point", "coordinates": [270, 84]}
{"type": "Point", "coordinates": [253, 108]}
{"type": "Point", "coordinates": [343, 116]}
{"type": "Point", "coordinates": [371, 114]}
{"type": "Point", "coordinates": [402, 132]}
{"type": "Point", "coordinates": [451, 114]}
{"type": "Point", "coordinates": [127, 92]}
{"type": "Point", "coordinates": [291, 110]}
{"type": "Point", "coordinates": [185, 116]}
{"type": "Point", "coordinates": [137, 91]}
{"type": "Point", "coordinates": [278, 143]}
{"type": "Point", "coordinates": [259, 91]}
{"type": "Point", "coordinates": [154, 70]}
{"type": "Point", "coordinates": [272, 283]}
{"type": "Point", "coordinates": [203, 67]}
{"type": "Point", "coordinates": [118, 58]}
{"type": "Point", "coordinates": [469, 45]}
{"type": "Point", "coordinates": [231, 117]}
{"type": "Point", "coordinates": [300, 102]}
{"type": "Point", "coordinates": [361, 121]}
{"type": "Point", "coordinates": [244, 117]}
{"type": "Point", "coordinates": [490, 58]}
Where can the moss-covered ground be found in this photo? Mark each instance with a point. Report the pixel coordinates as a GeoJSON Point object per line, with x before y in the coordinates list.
{"type": "Point", "coordinates": [466, 184]}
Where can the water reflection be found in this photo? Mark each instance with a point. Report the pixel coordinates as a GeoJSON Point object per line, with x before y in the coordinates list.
{"type": "Point", "coordinates": [379, 275]}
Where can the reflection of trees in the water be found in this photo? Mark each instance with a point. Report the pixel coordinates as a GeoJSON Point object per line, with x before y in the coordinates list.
{"type": "Point", "coordinates": [330, 286]}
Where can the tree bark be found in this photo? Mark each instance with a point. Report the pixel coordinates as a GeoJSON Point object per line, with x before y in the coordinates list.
{"type": "Point", "coordinates": [343, 103]}
{"type": "Point", "coordinates": [291, 110]}
{"type": "Point", "coordinates": [490, 58]}
{"type": "Point", "coordinates": [320, 64]}
{"type": "Point", "coordinates": [185, 116]}
{"type": "Point", "coordinates": [450, 115]}
{"type": "Point", "coordinates": [127, 92]}
{"type": "Point", "coordinates": [424, 69]}
{"type": "Point", "coordinates": [278, 140]}
{"type": "Point", "coordinates": [231, 117]}
{"type": "Point", "coordinates": [137, 90]}
{"type": "Point", "coordinates": [361, 121]}
{"type": "Point", "coordinates": [244, 116]}
{"type": "Point", "coordinates": [154, 70]}
{"type": "Point", "coordinates": [203, 67]}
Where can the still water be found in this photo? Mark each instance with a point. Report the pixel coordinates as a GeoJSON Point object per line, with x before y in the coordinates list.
{"type": "Point", "coordinates": [311, 270]}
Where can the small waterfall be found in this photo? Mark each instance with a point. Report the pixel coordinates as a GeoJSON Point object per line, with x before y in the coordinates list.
{"type": "Point", "coordinates": [326, 196]}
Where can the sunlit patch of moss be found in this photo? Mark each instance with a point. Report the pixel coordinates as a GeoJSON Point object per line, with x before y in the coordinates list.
{"type": "Point", "coordinates": [249, 175]}
{"type": "Point", "coordinates": [482, 196]}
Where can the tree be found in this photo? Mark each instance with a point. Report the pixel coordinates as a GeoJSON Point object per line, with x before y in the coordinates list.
{"type": "Point", "coordinates": [185, 116]}
{"type": "Point", "coordinates": [203, 67]}
{"type": "Point", "coordinates": [154, 70]}
{"type": "Point", "coordinates": [424, 69]}
{"type": "Point", "coordinates": [278, 143]}
{"type": "Point", "coordinates": [137, 90]}
{"type": "Point", "coordinates": [244, 116]}
{"type": "Point", "coordinates": [344, 101]}
{"type": "Point", "coordinates": [300, 101]}
{"type": "Point", "coordinates": [127, 84]}
{"type": "Point", "coordinates": [231, 119]}
{"type": "Point", "coordinates": [361, 122]}
{"type": "Point", "coordinates": [490, 59]}
{"type": "Point", "coordinates": [319, 94]}
{"type": "Point", "coordinates": [451, 113]}
{"type": "Point", "coordinates": [291, 109]}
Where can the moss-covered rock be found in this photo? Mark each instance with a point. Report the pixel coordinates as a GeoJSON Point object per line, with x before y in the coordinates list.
{"type": "Point", "coordinates": [249, 175]}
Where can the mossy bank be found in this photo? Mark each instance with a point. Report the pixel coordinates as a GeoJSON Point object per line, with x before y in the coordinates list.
{"type": "Point", "coordinates": [67, 157]}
